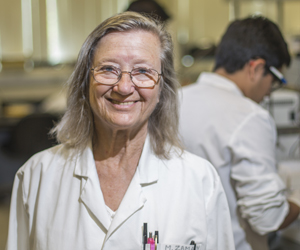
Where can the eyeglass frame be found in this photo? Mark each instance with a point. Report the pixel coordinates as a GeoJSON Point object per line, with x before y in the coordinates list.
{"type": "Point", "coordinates": [278, 76]}
{"type": "Point", "coordinates": [129, 72]}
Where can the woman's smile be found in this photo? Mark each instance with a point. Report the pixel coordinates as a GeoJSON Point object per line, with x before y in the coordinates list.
{"type": "Point", "coordinates": [122, 103]}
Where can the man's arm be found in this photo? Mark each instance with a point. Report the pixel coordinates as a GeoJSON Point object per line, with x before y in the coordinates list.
{"type": "Point", "coordinates": [261, 195]}
{"type": "Point", "coordinates": [291, 216]}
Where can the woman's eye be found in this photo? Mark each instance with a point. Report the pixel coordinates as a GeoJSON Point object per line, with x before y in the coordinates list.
{"type": "Point", "coordinates": [142, 71]}
{"type": "Point", "coordinates": [108, 69]}
{"type": "Point", "coordinates": [105, 69]}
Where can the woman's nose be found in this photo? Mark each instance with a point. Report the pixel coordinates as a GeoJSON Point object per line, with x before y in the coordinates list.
{"type": "Point", "coordinates": [125, 86]}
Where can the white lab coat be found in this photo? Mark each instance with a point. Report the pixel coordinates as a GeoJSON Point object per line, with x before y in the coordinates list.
{"type": "Point", "coordinates": [238, 137]}
{"type": "Point", "coordinates": [57, 203]}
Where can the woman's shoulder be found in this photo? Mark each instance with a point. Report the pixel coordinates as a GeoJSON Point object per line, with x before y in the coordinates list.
{"type": "Point", "coordinates": [185, 156]}
{"type": "Point", "coordinates": [192, 163]}
{"type": "Point", "coordinates": [194, 172]}
{"type": "Point", "coordinates": [42, 160]}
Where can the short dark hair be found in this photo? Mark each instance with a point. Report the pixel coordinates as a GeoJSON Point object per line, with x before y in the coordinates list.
{"type": "Point", "coordinates": [251, 38]}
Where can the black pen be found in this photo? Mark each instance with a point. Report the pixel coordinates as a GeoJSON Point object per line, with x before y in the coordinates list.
{"type": "Point", "coordinates": [145, 233]}
{"type": "Point", "coordinates": [156, 239]}
{"type": "Point", "coordinates": [193, 244]}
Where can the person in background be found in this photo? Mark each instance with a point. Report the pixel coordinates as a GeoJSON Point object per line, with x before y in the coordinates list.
{"type": "Point", "coordinates": [150, 8]}
{"type": "Point", "coordinates": [222, 121]}
{"type": "Point", "coordinates": [120, 163]}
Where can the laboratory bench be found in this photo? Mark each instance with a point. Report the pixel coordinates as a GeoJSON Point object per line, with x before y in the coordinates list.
{"type": "Point", "coordinates": [278, 242]}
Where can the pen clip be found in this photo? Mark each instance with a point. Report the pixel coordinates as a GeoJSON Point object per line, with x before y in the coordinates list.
{"type": "Point", "coordinates": [193, 244]}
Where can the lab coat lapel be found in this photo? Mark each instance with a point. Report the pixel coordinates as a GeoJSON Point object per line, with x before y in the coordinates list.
{"type": "Point", "coordinates": [91, 194]}
{"type": "Point", "coordinates": [134, 199]}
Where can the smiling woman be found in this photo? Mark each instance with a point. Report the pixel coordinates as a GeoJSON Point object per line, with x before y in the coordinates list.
{"type": "Point", "coordinates": [77, 126]}
{"type": "Point", "coordinates": [123, 105]}
{"type": "Point", "coordinates": [120, 164]}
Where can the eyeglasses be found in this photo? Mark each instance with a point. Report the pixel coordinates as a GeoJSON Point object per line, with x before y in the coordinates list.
{"type": "Point", "coordinates": [279, 78]}
{"type": "Point", "coordinates": [141, 77]}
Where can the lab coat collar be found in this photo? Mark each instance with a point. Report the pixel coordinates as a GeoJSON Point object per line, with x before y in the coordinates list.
{"type": "Point", "coordinates": [91, 194]}
{"type": "Point", "coordinates": [147, 168]}
{"type": "Point", "coordinates": [134, 199]}
{"type": "Point", "coordinates": [214, 79]}
{"type": "Point", "coordinates": [149, 163]}
{"type": "Point", "coordinates": [84, 162]}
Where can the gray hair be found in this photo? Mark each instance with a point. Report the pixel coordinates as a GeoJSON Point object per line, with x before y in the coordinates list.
{"type": "Point", "coordinates": [76, 127]}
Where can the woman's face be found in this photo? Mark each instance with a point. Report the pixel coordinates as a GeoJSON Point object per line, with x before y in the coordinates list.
{"type": "Point", "coordinates": [124, 106]}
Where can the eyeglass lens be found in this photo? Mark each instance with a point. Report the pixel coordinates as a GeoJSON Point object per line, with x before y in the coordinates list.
{"type": "Point", "coordinates": [276, 84]}
{"type": "Point", "coordinates": [141, 77]}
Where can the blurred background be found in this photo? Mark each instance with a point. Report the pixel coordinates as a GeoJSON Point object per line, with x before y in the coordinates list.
{"type": "Point", "coordinates": [39, 44]}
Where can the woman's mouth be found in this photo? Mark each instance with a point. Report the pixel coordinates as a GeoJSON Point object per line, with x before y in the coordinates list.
{"type": "Point", "coordinates": [122, 103]}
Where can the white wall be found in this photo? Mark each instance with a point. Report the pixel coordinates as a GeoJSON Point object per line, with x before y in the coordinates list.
{"type": "Point", "coordinates": [11, 29]}
{"type": "Point", "coordinates": [57, 34]}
